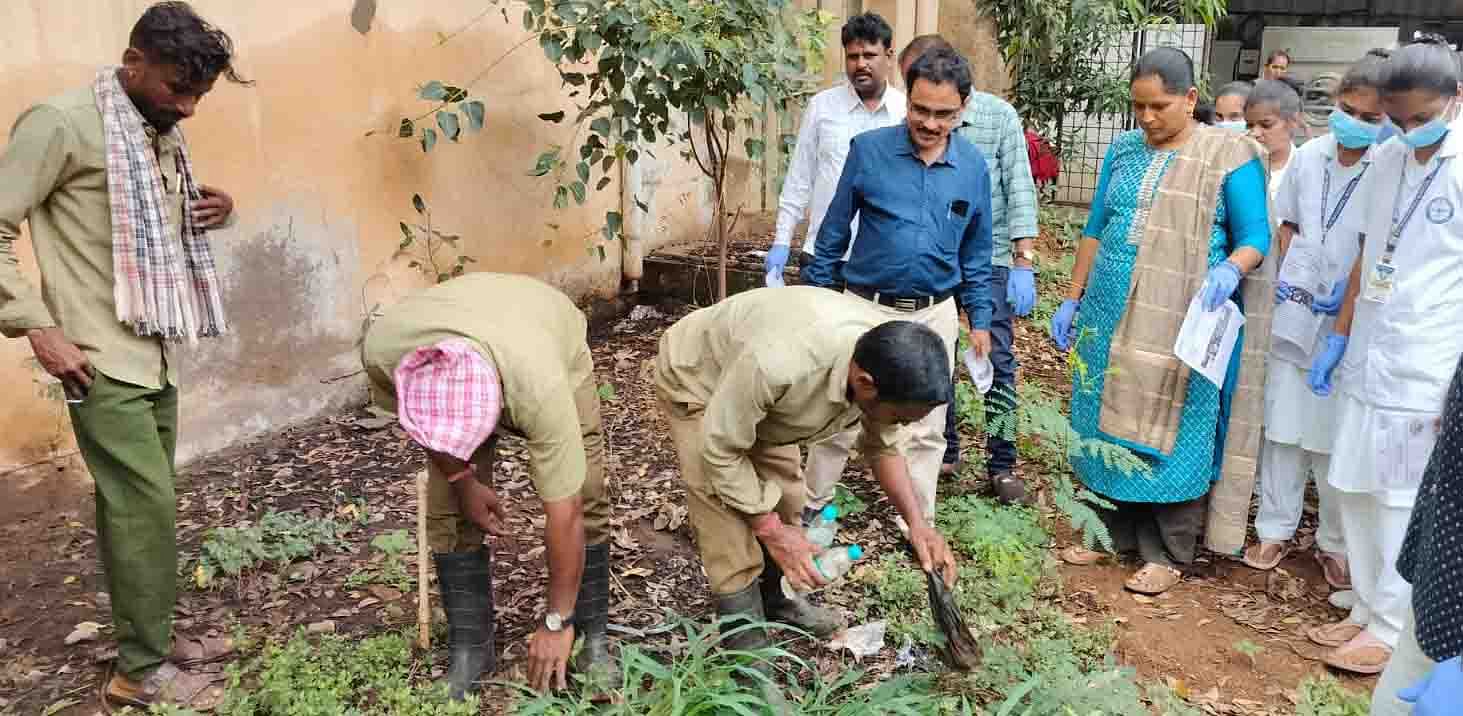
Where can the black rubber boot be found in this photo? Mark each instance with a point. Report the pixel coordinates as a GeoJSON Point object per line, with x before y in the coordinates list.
{"type": "Point", "coordinates": [466, 580]}
{"type": "Point", "coordinates": [796, 610]}
{"type": "Point", "coordinates": [591, 619]}
{"type": "Point", "coordinates": [738, 609]}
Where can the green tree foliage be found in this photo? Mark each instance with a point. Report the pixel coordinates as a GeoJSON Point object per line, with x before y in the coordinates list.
{"type": "Point", "coordinates": [1052, 50]}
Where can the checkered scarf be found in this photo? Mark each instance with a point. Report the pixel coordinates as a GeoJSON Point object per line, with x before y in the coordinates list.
{"type": "Point", "coordinates": [157, 291]}
{"type": "Point", "coordinates": [448, 397]}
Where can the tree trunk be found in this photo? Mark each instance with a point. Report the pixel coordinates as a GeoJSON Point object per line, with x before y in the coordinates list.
{"type": "Point", "coordinates": [721, 243]}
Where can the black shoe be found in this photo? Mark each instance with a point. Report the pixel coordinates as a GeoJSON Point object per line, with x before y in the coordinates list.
{"type": "Point", "coordinates": [737, 610]}
{"type": "Point", "coordinates": [1010, 490]}
{"type": "Point", "coordinates": [591, 619]}
{"type": "Point", "coordinates": [466, 581]}
{"type": "Point", "coordinates": [793, 610]}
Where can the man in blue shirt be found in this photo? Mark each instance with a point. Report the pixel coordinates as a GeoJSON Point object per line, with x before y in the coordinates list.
{"type": "Point", "coordinates": [923, 199]}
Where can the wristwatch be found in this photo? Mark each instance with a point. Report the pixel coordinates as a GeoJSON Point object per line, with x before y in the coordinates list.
{"type": "Point", "coordinates": [553, 621]}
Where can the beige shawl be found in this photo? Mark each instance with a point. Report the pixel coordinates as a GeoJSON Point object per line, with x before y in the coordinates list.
{"type": "Point", "coordinates": [1146, 385]}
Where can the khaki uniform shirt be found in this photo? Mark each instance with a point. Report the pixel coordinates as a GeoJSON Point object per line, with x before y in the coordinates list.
{"type": "Point", "coordinates": [535, 337]}
{"type": "Point", "coordinates": [54, 173]}
{"type": "Point", "coordinates": [768, 367]}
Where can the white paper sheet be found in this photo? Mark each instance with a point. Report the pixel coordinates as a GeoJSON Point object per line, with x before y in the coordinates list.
{"type": "Point", "coordinates": [1207, 338]}
{"type": "Point", "coordinates": [1404, 443]}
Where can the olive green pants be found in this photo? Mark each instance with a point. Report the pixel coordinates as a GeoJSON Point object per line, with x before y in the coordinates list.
{"type": "Point", "coordinates": [449, 531]}
{"type": "Point", "coordinates": [128, 437]}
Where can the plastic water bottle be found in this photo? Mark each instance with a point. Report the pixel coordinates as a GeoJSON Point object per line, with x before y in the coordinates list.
{"type": "Point", "coordinates": [824, 527]}
{"type": "Point", "coordinates": [833, 563]}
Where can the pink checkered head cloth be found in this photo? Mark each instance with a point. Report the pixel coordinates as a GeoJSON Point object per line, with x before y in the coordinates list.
{"type": "Point", "coordinates": [448, 397]}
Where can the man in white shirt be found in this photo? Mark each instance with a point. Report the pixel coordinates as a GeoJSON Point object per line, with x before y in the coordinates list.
{"type": "Point", "coordinates": [833, 117]}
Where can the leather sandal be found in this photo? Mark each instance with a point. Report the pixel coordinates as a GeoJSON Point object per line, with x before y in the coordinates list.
{"type": "Point", "coordinates": [1080, 556]}
{"type": "Point", "coordinates": [1154, 579]}
{"type": "Point", "coordinates": [1335, 569]}
{"type": "Point", "coordinates": [1364, 654]}
{"type": "Point", "coordinates": [195, 650]}
{"type": "Point", "coordinates": [1266, 556]}
{"type": "Point", "coordinates": [1336, 634]}
{"type": "Point", "coordinates": [166, 685]}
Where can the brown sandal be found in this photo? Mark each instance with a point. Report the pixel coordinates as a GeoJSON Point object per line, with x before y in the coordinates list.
{"type": "Point", "coordinates": [1154, 579]}
{"type": "Point", "coordinates": [1266, 556]}
{"type": "Point", "coordinates": [1335, 569]}
{"type": "Point", "coordinates": [1364, 654]}
{"type": "Point", "coordinates": [196, 650]}
{"type": "Point", "coordinates": [1080, 556]}
{"type": "Point", "coordinates": [166, 685]}
{"type": "Point", "coordinates": [1335, 635]}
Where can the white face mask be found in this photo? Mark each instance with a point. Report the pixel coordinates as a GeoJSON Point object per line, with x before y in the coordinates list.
{"type": "Point", "coordinates": [1234, 125]}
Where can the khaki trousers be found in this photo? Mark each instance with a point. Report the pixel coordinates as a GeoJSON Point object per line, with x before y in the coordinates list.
{"type": "Point", "coordinates": [730, 553]}
{"type": "Point", "coordinates": [923, 443]}
{"type": "Point", "coordinates": [449, 531]}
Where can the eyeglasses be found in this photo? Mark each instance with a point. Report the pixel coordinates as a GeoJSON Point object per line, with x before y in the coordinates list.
{"type": "Point", "coordinates": [921, 113]}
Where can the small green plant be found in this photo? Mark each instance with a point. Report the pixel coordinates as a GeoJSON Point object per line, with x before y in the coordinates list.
{"type": "Point", "coordinates": [705, 677]}
{"type": "Point", "coordinates": [847, 502]}
{"type": "Point", "coordinates": [1251, 650]}
{"type": "Point", "coordinates": [1325, 696]}
{"type": "Point", "coordinates": [337, 675]}
{"type": "Point", "coordinates": [431, 251]}
{"type": "Point", "coordinates": [607, 393]}
{"type": "Point", "coordinates": [277, 538]}
{"type": "Point", "coordinates": [392, 569]}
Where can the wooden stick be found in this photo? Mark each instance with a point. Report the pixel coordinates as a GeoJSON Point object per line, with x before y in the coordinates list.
{"type": "Point", "coordinates": [424, 609]}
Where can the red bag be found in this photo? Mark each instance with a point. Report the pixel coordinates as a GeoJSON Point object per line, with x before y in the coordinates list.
{"type": "Point", "coordinates": [1045, 167]}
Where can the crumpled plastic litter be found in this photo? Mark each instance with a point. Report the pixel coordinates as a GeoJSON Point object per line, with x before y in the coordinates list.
{"type": "Point", "coordinates": [863, 640]}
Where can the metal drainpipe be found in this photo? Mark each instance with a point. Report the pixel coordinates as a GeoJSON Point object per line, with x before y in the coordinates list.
{"type": "Point", "coordinates": [632, 251]}
{"type": "Point", "coordinates": [926, 17]}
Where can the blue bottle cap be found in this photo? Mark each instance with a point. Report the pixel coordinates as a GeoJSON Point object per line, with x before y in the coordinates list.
{"type": "Point", "coordinates": [855, 552]}
{"type": "Point", "coordinates": [830, 513]}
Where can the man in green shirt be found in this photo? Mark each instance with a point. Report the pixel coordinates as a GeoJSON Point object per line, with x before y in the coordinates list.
{"type": "Point", "coordinates": [119, 226]}
{"type": "Point", "coordinates": [459, 363]}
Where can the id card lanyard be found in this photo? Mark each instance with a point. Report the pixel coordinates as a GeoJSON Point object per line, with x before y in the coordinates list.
{"type": "Point", "coordinates": [1340, 202]}
{"type": "Point", "coordinates": [1383, 275]}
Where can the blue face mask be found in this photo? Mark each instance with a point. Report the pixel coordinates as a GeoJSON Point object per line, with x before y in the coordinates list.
{"type": "Point", "coordinates": [1428, 134]}
{"type": "Point", "coordinates": [1351, 132]}
{"type": "Point", "coordinates": [1234, 125]}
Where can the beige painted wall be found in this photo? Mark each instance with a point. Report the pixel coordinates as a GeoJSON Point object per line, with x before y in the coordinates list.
{"type": "Point", "coordinates": [318, 202]}
{"type": "Point", "coordinates": [973, 34]}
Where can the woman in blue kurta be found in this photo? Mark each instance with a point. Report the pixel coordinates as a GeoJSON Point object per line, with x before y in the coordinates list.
{"type": "Point", "coordinates": [1159, 515]}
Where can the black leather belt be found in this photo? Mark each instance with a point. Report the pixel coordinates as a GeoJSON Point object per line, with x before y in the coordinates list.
{"type": "Point", "coordinates": [908, 304]}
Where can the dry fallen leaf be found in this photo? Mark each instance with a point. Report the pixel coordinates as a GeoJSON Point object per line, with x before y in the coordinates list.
{"type": "Point", "coordinates": [85, 631]}
{"type": "Point", "coordinates": [384, 593]}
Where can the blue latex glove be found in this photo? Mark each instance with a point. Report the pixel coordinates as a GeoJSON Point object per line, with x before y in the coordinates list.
{"type": "Point", "coordinates": [1021, 290]}
{"type": "Point", "coordinates": [1282, 292]}
{"type": "Point", "coordinates": [777, 258]}
{"type": "Point", "coordinates": [1326, 362]}
{"type": "Point", "coordinates": [1331, 305]}
{"type": "Point", "coordinates": [1063, 324]}
{"type": "Point", "coordinates": [1220, 285]}
{"type": "Point", "coordinates": [1439, 693]}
